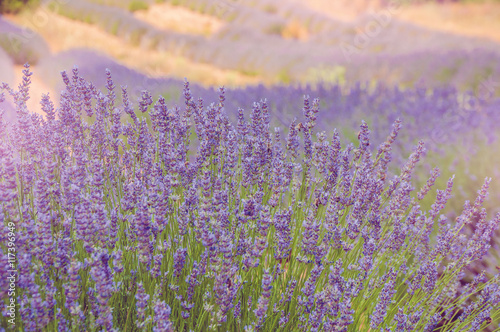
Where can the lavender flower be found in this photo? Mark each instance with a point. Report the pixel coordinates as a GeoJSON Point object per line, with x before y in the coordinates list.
{"type": "Point", "coordinates": [309, 289]}
{"type": "Point", "coordinates": [179, 261]}
{"type": "Point", "coordinates": [282, 225]}
{"type": "Point", "coordinates": [384, 300]}
{"type": "Point", "coordinates": [425, 189]}
{"type": "Point", "coordinates": [310, 235]}
{"type": "Point", "coordinates": [162, 322]}
{"type": "Point", "coordinates": [141, 304]}
{"type": "Point", "coordinates": [102, 276]}
{"type": "Point", "coordinates": [263, 301]}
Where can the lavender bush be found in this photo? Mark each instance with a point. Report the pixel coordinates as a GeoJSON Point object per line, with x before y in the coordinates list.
{"type": "Point", "coordinates": [460, 128]}
{"type": "Point", "coordinates": [117, 224]}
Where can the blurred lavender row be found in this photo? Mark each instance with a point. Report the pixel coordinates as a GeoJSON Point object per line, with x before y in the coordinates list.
{"type": "Point", "coordinates": [442, 115]}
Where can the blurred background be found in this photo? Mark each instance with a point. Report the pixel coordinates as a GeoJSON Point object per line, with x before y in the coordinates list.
{"type": "Point", "coordinates": [434, 64]}
{"type": "Point", "coordinates": [239, 43]}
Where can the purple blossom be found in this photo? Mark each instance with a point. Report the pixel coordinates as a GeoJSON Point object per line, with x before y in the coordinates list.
{"type": "Point", "coordinates": [284, 320]}
{"type": "Point", "coordinates": [237, 310]}
{"type": "Point", "coordinates": [283, 230]}
{"type": "Point", "coordinates": [292, 141]}
{"type": "Point", "coordinates": [307, 301]}
{"type": "Point", "coordinates": [433, 322]}
{"type": "Point", "coordinates": [425, 189]}
{"type": "Point", "coordinates": [384, 300]}
{"type": "Point", "coordinates": [310, 236]}
{"type": "Point", "coordinates": [101, 274]}
{"type": "Point", "coordinates": [263, 302]}
{"type": "Point", "coordinates": [82, 192]}
{"type": "Point", "coordinates": [144, 232]}
{"type": "Point", "coordinates": [117, 261]}
{"type": "Point", "coordinates": [179, 261]}
{"type": "Point", "coordinates": [290, 288]}
{"type": "Point", "coordinates": [156, 270]}
{"type": "Point", "coordinates": [141, 303]}
{"type": "Point", "coordinates": [162, 321]}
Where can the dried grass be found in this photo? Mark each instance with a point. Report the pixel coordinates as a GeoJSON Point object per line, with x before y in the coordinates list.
{"type": "Point", "coordinates": [468, 19]}
{"type": "Point", "coordinates": [295, 30]}
{"type": "Point", "coordinates": [481, 19]}
{"type": "Point", "coordinates": [183, 20]}
{"type": "Point", "coordinates": [64, 34]}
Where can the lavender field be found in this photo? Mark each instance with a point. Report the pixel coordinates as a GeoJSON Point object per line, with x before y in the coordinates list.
{"type": "Point", "coordinates": [249, 165]}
